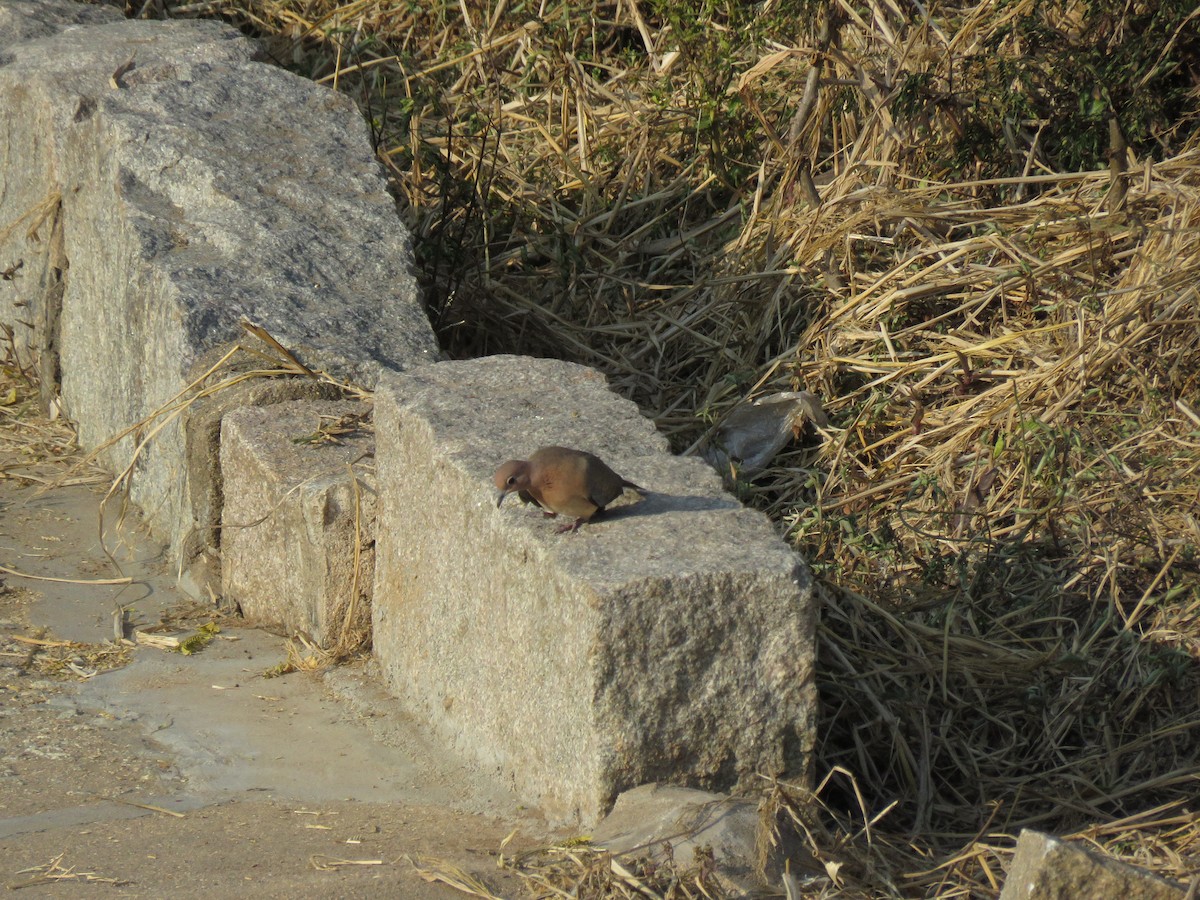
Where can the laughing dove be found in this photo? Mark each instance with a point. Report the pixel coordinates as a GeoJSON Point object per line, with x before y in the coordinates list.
{"type": "Point", "coordinates": [564, 482]}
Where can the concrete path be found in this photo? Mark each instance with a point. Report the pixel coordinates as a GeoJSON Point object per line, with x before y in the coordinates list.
{"type": "Point", "coordinates": [294, 786]}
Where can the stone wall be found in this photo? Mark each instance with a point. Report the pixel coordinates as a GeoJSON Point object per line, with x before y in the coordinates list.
{"type": "Point", "coordinates": [159, 186]}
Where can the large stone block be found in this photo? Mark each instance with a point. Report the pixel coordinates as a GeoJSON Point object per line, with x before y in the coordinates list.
{"type": "Point", "coordinates": [293, 513]}
{"type": "Point", "coordinates": [194, 189]}
{"type": "Point", "coordinates": [32, 256]}
{"type": "Point", "coordinates": [671, 641]}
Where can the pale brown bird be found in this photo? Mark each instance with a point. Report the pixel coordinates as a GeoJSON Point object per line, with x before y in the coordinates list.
{"type": "Point", "coordinates": [563, 482]}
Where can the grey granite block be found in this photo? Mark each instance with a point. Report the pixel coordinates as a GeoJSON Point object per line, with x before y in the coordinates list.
{"type": "Point", "coordinates": [291, 517]}
{"type": "Point", "coordinates": [669, 640]}
{"type": "Point", "coordinates": [159, 186]}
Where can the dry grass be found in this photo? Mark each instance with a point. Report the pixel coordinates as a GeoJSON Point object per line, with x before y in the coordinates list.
{"type": "Point", "coordinates": [581, 870]}
{"type": "Point", "coordinates": [54, 872]}
{"type": "Point", "coordinates": [981, 255]}
{"type": "Point", "coordinates": [71, 660]}
{"type": "Point", "coordinates": [34, 448]}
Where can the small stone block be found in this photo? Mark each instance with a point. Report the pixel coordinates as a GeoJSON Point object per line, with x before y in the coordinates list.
{"type": "Point", "coordinates": [199, 550]}
{"type": "Point", "coordinates": [1046, 868]}
{"type": "Point", "coordinates": [291, 515]}
{"type": "Point", "coordinates": [664, 822]}
{"type": "Point", "coordinates": [669, 640]}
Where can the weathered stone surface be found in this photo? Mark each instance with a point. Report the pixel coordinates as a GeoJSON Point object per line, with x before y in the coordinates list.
{"type": "Point", "coordinates": [32, 255]}
{"type": "Point", "coordinates": [26, 21]}
{"type": "Point", "coordinates": [671, 641]}
{"type": "Point", "coordinates": [197, 188]}
{"type": "Point", "coordinates": [1046, 868]}
{"type": "Point", "coordinates": [290, 520]}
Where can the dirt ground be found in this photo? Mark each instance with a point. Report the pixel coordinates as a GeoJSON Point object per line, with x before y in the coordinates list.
{"type": "Point", "coordinates": [199, 775]}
